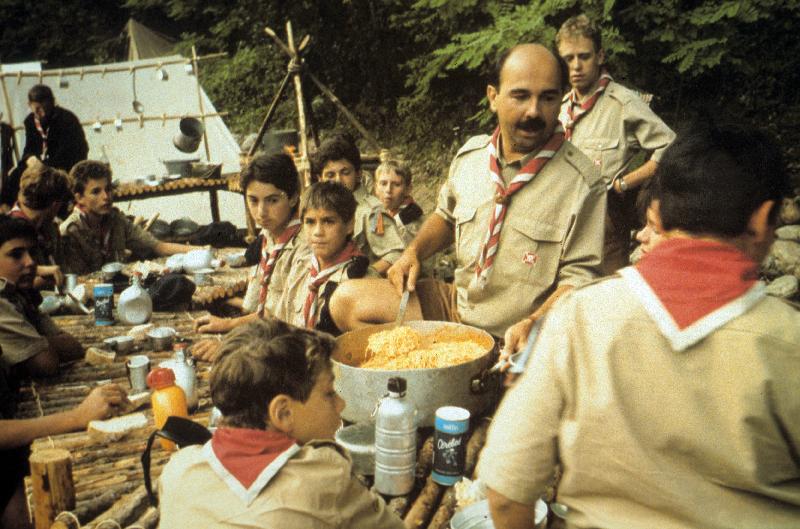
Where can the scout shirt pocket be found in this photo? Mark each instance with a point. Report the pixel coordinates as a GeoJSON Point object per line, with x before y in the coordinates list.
{"type": "Point", "coordinates": [470, 232]}
{"type": "Point", "coordinates": [603, 152]}
{"type": "Point", "coordinates": [532, 253]}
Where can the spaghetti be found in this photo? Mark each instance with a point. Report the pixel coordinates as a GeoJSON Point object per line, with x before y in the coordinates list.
{"type": "Point", "coordinates": [405, 348]}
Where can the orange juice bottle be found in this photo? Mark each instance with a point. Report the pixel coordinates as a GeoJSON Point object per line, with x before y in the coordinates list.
{"type": "Point", "coordinates": [167, 399]}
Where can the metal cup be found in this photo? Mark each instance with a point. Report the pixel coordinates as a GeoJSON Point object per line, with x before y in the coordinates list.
{"type": "Point", "coordinates": [71, 281]}
{"type": "Point", "coordinates": [138, 367]}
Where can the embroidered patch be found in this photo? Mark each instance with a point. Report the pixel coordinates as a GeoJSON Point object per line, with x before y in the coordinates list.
{"type": "Point", "coordinates": [530, 258]}
{"type": "Point", "coordinates": [598, 162]}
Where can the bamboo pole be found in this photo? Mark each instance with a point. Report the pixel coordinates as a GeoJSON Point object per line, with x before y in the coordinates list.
{"type": "Point", "coordinates": [10, 117]}
{"type": "Point", "coordinates": [53, 488]}
{"type": "Point", "coordinates": [81, 72]}
{"type": "Point", "coordinates": [301, 112]}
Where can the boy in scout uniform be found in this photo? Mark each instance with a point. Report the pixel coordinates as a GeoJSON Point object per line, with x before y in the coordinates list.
{"type": "Point", "coordinates": [374, 232]}
{"type": "Point", "coordinates": [613, 126]}
{"type": "Point", "coordinates": [96, 232]}
{"type": "Point", "coordinates": [524, 207]}
{"type": "Point", "coordinates": [672, 401]}
{"type": "Point", "coordinates": [393, 188]}
{"type": "Point", "coordinates": [32, 344]}
{"type": "Point", "coordinates": [272, 192]}
{"type": "Point", "coordinates": [328, 212]}
{"type": "Point", "coordinates": [43, 191]}
{"type": "Point", "coordinates": [272, 461]}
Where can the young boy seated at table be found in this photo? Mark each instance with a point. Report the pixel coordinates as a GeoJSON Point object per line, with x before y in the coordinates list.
{"type": "Point", "coordinates": [43, 191]}
{"type": "Point", "coordinates": [374, 232]}
{"type": "Point", "coordinates": [272, 192]}
{"type": "Point", "coordinates": [16, 435]}
{"type": "Point", "coordinates": [32, 343]}
{"type": "Point", "coordinates": [96, 232]}
{"type": "Point", "coordinates": [393, 188]}
{"type": "Point", "coordinates": [272, 461]}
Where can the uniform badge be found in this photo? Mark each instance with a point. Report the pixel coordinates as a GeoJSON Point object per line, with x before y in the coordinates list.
{"type": "Point", "coordinates": [598, 162]}
{"type": "Point", "coordinates": [530, 258]}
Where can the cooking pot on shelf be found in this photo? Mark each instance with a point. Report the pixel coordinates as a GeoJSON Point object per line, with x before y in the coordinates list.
{"type": "Point", "coordinates": [464, 385]}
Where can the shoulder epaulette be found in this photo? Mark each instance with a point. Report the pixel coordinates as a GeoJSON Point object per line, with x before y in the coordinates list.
{"type": "Point", "coordinates": [474, 143]}
{"type": "Point", "coordinates": [584, 166]}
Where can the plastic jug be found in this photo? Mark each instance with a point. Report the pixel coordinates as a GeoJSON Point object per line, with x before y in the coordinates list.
{"type": "Point", "coordinates": [185, 374]}
{"type": "Point", "coordinates": [395, 441]}
{"type": "Point", "coordinates": [135, 306]}
{"type": "Point", "coordinates": [167, 399]}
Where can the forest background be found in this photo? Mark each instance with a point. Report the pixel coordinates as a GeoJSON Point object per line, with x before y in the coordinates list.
{"type": "Point", "coordinates": [415, 72]}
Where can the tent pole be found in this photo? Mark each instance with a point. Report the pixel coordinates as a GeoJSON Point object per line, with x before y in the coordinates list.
{"type": "Point", "coordinates": [301, 113]}
{"type": "Point", "coordinates": [10, 116]}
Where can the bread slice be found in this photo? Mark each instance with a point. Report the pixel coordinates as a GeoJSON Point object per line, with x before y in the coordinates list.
{"type": "Point", "coordinates": [117, 428]}
{"type": "Point", "coordinates": [136, 401]}
{"type": "Point", "coordinates": [96, 357]}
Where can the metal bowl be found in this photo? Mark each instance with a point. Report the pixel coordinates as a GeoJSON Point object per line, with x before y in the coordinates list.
{"type": "Point", "coordinates": [110, 270]}
{"type": "Point", "coordinates": [161, 338]}
{"type": "Point", "coordinates": [429, 389]}
{"type": "Point", "coordinates": [476, 516]}
{"type": "Point", "coordinates": [359, 439]}
{"type": "Point", "coordinates": [121, 344]}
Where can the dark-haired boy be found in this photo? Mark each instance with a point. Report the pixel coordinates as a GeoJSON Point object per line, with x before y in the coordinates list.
{"type": "Point", "coordinates": [43, 192]}
{"type": "Point", "coordinates": [374, 232]}
{"type": "Point", "coordinates": [96, 232]}
{"type": "Point", "coordinates": [676, 386]}
{"type": "Point", "coordinates": [272, 461]}
{"type": "Point", "coordinates": [30, 341]}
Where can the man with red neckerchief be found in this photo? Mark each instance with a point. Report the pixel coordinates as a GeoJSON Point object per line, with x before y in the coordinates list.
{"type": "Point", "coordinates": [524, 207]}
{"type": "Point", "coordinates": [613, 126]}
{"type": "Point", "coordinates": [672, 401]}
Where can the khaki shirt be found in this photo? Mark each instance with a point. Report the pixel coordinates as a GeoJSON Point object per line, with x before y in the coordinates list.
{"type": "Point", "coordinates": [619, 126]}
{"type": "Point", "coordinates": [20, 339]}
{"type": "Point", "coordinates": [294, 252]}
{"type": "Point", "coordinates": [388, 246]}
{"type": "Point", "coordinates": [315, 489]}
{"type": "Point", "coordinates": [649, 436]}
{"type": "Point", "coordinates": [290, 308]}
{"type": "Point", "coordinates": [552, 235]}
{"type": "Point", "coordinates": [86, 253]}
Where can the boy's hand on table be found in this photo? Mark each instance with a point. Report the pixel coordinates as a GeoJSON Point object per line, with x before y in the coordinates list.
{"type": "Point", "coordinates": [211, 324]}
{"type": "Point", "coordinates": [99, 404]}
{"type": "Point", "coordinates": [206, 350]}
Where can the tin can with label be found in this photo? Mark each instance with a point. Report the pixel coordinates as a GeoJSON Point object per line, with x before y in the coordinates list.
{"type": "Point", "coordinates": [449, 444]}
{"type": "Point", "coordinates": [104, 304]}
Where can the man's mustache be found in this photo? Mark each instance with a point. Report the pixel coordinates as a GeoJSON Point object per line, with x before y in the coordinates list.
{"type": "Point", "coordinates": [532, 125]}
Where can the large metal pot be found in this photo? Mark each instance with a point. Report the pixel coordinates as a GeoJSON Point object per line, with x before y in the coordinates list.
{"type": "Point", "coordinates": [460, 385]}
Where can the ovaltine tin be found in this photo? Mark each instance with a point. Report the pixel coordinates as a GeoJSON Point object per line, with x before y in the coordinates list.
{"type": "Point", "coordinates": [449, 444]}
{"type": "Point", "coordinates": [104, 304]}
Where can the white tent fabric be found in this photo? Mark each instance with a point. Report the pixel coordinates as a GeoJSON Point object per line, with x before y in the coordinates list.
{"type": "Point", "coordinates": [144, 43]}
{"type": "Point", "coordinates": [135, 150]}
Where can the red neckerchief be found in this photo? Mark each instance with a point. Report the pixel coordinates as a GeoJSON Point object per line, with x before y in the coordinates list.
{"type": "Point", "coordinates": [691, 287]}
{"type": "Point", "coordinates": [42, 133]}
{"type": "Point", "coordinates": [319, 277]}
{"type": "Point", "coordinates": [17, 213]}
{"type": "Point", "coordinates": [576, 110]}
{"type": "Point", "coordinates": [245, 454]}
{"type": "Point", "coordinates": [503, 195]}
{"type": "Point", "coordinates": [270, 255]}
{"type": "Point", "coordinates": [103, 231]}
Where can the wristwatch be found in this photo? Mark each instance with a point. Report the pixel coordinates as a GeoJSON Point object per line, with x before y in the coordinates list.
{"type": "Point", "coordinates": [622, 185]}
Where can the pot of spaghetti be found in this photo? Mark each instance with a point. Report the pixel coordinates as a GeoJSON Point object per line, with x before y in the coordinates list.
{"type": "Point", "coordinates": [443, 363]}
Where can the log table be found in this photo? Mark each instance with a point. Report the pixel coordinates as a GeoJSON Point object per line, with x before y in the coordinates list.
{"type": "Point", "coordinates": [108, 479]}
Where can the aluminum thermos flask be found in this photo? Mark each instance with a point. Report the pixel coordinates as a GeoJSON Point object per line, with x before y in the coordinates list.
{"type": "Point", "coordinates": [395, 441]}
{"type": "Point", "coordinates": [449, 444]}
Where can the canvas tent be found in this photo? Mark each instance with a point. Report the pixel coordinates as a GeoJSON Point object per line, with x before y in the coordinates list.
{"type": "Point", "coordinates": [144, 43]}
{"type": "Point", "coordinates": [136, 144]}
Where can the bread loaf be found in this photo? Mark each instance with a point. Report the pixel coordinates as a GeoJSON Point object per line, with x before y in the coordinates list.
{"type": "Point", "coordinates": [95, 356]}
{"type": "Point", "coordinates": [117, 428]}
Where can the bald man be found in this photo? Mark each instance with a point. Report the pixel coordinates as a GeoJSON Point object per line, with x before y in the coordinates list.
{"type": "Point", "coordinates": [523, 206]}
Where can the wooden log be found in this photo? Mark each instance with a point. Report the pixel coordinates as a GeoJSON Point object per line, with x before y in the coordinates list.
{"type": "Point", "coordinates": [424, 505]}
{"type": "Point", "coordinates": [399, 505]}
{"type": "Point", "coordinates": [53, 488]}
{"type": "Point", "coordinates": [441, 518]}
{"type": "Point", "coordinates": [425, 458]}
{"type": "Point", "coordinates": [148, 520]}
{"type": "Point", "coordinates": [124, 510]}
{"type": "Point", "coordinates": [96, 506]}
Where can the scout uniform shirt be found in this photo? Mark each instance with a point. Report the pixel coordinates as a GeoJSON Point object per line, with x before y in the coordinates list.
{"type": "Point", "coordinates": [309, 487]}
{"type": "Point", "coordinates": [552, 234]}
{"type": "Point", "coordinates": [294, 252]}
{"type": "Point", "coordinates": [23, 329]}
{"type": "Point", "coordinates": [87, 251]}
{"type": "Point", "coordinates": [657, 425]}
{"type": "Point", "coordinates": [291, 306]}
{"type": "Point", "coordinates": [619, 127]}
{"type": "Point", "coordinates": [387, 245]}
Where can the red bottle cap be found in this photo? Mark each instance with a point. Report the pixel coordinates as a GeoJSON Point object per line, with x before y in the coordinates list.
{"type": "Point", "coordinates": [160, 377]}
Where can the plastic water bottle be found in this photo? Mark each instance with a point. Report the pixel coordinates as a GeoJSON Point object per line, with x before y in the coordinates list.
{"type": "Point", "coordinates": [395, 441]}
